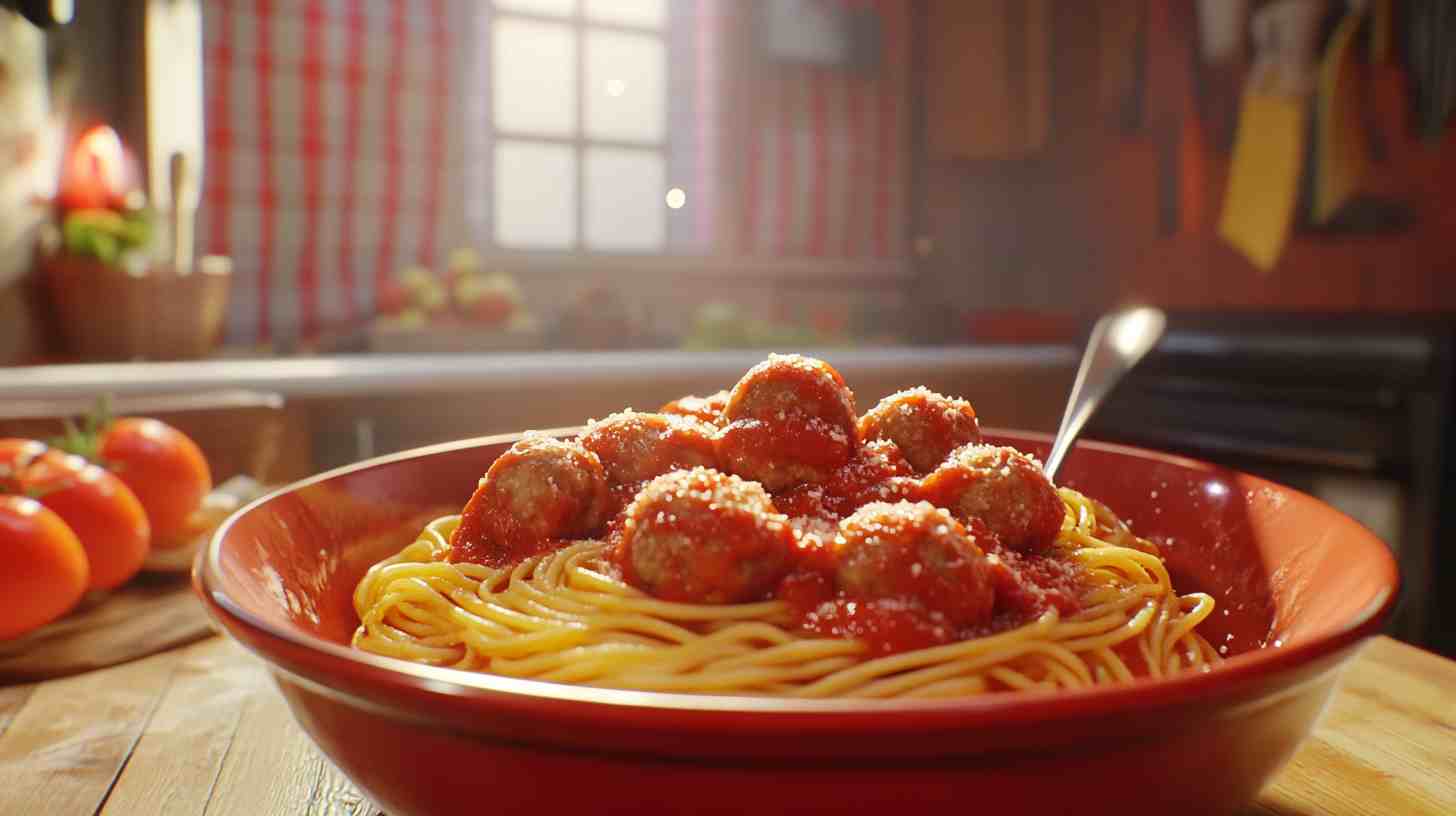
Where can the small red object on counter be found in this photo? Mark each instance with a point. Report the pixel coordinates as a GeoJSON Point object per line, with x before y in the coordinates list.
{"type": "Point", "coordinates": [95, 174]}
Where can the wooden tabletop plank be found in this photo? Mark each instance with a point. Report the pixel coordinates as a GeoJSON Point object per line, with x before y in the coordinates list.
{"type": "Point", "coordinates": [11, 700]}
{"type": "Point", "coordinates": [272, 767]}
{"type": "Point", "coordinates": [177, 761]}
{"type": "Point", "coordinates": [70, 738]}
{"type": "Point", "coordinates": [203, 730]}
{"type": "Point", "coordinates": [1387, 744]}
{"type": "Point", "coordinates": [337, 796]}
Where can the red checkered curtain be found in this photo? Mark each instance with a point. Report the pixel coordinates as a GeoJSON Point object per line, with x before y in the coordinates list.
{"type": "Point", "coordinates": [328, 149]}
{"type": "Point", "coordinates": [784, 158]}
{"type": "Point", "coordinates": [822, 149]}
{"type": "Point", "coordinates": [347, 139]}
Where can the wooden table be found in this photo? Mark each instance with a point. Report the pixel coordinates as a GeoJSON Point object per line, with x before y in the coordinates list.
{"type": "Point", "coordinates": [200, 729]}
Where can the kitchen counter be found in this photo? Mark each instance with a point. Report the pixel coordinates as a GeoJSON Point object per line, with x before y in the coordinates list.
{"type": "Point", "coordinates": [354, 407]}
{"type": "Point", "coordinates": [375, 374]}
{"type": "Point", "coordinates": [202, 730]}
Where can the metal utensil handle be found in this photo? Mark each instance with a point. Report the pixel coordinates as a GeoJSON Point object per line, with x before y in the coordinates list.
{"type": "Point", "coordinates": [181, 179]}
{"type": "Point", "coordinates": [1118, 342]}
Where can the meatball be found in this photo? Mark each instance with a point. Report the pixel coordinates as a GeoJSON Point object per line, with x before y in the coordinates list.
{"type": "Point", "coordinates": [1003, 487]}
{"type": "Point", "coordinates": [704, 536]}
{"type": "Point", "coordinates": [788, 385]}
{"type": "Point", "coordinates": [780, 455]}
{"type": "Point", "coordinates": [790, 420]}
{"type": "Point", "coordinates": [543, 488]}
{"type": "Point", "coordinates": [635, 447]}
{"type": "Point", "coordinates": [708, 409]}
{"type": "Point", "coordinates": [915, 552]}
{"type": "Point", "coordinates": [925, 425]}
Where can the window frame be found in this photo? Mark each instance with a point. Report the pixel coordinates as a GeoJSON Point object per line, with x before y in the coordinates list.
{"type": "Point", "coordinates": [580, 25]}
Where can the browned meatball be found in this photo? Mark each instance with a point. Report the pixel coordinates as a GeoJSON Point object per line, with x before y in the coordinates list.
{"type": "Point", "coordinates": [790, 420]}
{"type": "Point", "coordinates": [925, 425]}
{"type": "Point", "coordinates": [781, 455]}
{"type": "Point", "coordinates": [1003, 487]}
{"type": "Point", "coordinates": [789, 384]}
{"type": "Point", "coordinates": [635, 447]}
{"type": "Point", "coordinates": [541, 489]}
{"type": "Point", "coordinates": [915, 552]}
{"type": "Point", "coordinates": [704, 537]}
{"type": "Point", "coordinates": [708, 409]}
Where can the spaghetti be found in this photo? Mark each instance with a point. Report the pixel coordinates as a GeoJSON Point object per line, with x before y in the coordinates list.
{"type": "Point", "coordinates": [566, 615]}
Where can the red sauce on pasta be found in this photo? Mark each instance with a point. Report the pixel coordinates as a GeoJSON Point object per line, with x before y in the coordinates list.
{"type": "Point", "coordinates": [884, 625]}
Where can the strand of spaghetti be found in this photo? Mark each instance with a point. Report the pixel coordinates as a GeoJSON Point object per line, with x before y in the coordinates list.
{"type": "Point", "coordinates": [1108, 660]}
{"type": "Point", "coordinates": [1157, 657]}
{"type": "Point", "coordinates": [590, 580]}
{"type": "Point", "coordinates": [404, 647]}
{"type": "Point", "coordinates": [644, 604]}
{"type": "Point", "coordinates": [675, 659]}
{"type": "Point", "coordinates": [1134, 565]}
{"type": "Point", "coordinates": [1101, 600]}
{"type": "Point", "coordinates": [942, 656]}
{"type": "Point", "coordinates": [954, 687]}
{"type": "Point", "coordinates": [1128, 630]}
{"type": "Point", "coordinates": [797, 650]}
{"type": "Point", "coordinates": [583, 661]}
{"type": "Point", "coordinates": [1013, 679]}
{"type": "Point", "coordinates": [551, 640]}
{"type": "Point", "coordinates": [724, 682]}
{"type": "Point", "coordinates": [1202, 607]}
{"type": "Point", "coordinates": [555, 600]}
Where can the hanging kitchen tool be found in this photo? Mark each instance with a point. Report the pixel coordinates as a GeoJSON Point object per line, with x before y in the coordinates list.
{"type": "Point", "coordinates": [1341, 147]}
{"type": "Point", "coordinates": [1269, 145]}
{"type": "Point", "coordinates": [1431, 57]}
{"type": "Point", "coordinates": [182, 213]}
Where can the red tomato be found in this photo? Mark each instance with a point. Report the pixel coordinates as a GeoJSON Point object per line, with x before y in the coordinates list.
{"type": "Point", "coordinates": [15, 455]}
{"type": "Point", "coordinates": [392, 298]}
{"type": "Point", "coordinates": [99, 509]}
{"type": "Point", "coordinates": [164, 468]}
{"type": "Point", "coordinates": [46, 570]}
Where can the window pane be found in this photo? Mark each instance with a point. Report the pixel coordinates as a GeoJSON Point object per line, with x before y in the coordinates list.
{"type": "Point", "coordinates": [535, 195]}
{"type": "Point", "coordinates": [626, 97]}
{"type": "Point", "coordinates": [625, 209]}
{"type": "Point", "coordinates": [628, 12]}
{"type": "Point", "coordinates": [555, 8]}
{"type": "Point", "coordinates": [535, 76]}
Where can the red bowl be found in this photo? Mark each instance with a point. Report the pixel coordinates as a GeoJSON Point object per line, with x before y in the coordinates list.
{"type": "Point", "coordinates": [1299, 586]}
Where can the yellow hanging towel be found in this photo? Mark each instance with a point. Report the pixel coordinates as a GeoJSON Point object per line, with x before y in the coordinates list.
{"type": "Point", "coordinates": [1263, 184]}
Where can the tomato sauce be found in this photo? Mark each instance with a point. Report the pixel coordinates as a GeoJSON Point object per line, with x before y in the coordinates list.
{"type": "Point", "coordinates": [490, 535]}
{"type": "Point", "coordinates": [877, 472]}
{"type": "Point", "coordinates": [709, 409]}
{"type": "Point", "coordinates": [1026, 586]}
{"type": "Point", "coordinates": [493, 539]}
{"type": "Point", "coordinates": [810, 441]}
{"type": "Point", "coordinates": [885, 625]}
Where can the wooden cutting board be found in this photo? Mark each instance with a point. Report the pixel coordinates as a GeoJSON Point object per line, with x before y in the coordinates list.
{"type": "Point", "coordinates": [150, 614]}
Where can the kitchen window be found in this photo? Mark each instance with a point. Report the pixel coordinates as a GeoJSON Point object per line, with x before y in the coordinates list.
{"type": "Point", "coordinates": [578, 112]}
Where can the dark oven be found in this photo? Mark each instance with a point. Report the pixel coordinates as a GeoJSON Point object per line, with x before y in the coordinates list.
{"type": "Point", "coordinates": [1356, 412]}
